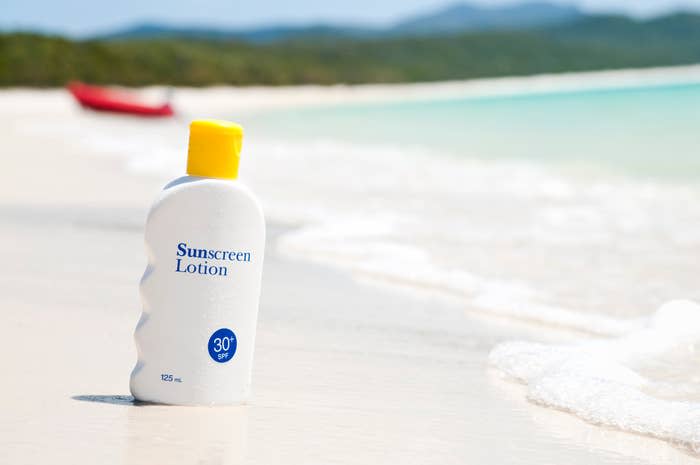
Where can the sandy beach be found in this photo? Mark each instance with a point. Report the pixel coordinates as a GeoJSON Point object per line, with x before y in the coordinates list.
{"type": "Point", "coordinates": [345, 372]}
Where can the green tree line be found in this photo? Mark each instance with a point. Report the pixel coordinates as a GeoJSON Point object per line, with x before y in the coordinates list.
{"type": "Point", "coordinates": [28, 59]}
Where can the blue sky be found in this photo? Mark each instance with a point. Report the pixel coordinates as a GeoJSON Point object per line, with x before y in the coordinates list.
{"type": "Point", "coordinates": [81, 17]}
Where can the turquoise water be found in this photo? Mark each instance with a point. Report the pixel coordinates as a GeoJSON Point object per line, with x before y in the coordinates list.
{"type": "Point", "coordinates": [648, 132]}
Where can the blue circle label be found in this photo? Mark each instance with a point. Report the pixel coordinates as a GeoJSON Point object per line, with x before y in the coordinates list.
{"type": "Point", "coordinates": [222, 345]}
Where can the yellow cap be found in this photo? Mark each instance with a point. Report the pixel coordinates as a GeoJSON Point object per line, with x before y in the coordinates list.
{"type": "Point", "coordinates": [214, 149]}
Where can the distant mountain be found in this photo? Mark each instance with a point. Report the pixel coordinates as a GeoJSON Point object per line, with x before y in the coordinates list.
{"type": "Point", "coordinates": [682, 29]}
{"type": "Point", "coordinates": [254, 35]}
{"type": "Point", "coordinates": [456, 18]}
{"type": "Point", "coordinates": [464, 17]}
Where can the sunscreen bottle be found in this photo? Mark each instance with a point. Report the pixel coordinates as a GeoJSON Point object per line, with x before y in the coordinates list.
{"type": "Point", "coordinates": [205, 239]}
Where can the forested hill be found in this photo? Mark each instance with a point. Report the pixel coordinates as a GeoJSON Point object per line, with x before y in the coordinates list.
{"type": "Point", "coordinates": [591, 43]}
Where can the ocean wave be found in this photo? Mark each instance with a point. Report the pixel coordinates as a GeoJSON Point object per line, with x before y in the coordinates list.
{"type": "Point", "coordinates": [509, 238]}
{"type": "Point", "coordinates": [598, 380]}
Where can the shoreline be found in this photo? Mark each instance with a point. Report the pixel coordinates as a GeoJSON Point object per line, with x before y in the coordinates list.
{"type": "Point", "coordinates": [222, 98]}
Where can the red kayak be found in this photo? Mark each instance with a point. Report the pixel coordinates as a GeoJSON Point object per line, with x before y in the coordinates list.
{"type": "Point", "coordinates": [106, 99]}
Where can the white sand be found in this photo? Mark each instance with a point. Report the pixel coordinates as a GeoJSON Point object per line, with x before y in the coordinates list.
{"type": "Point", "coordinates": [224, 99]}
{"type": "Point", "coordinates": [344, 373]}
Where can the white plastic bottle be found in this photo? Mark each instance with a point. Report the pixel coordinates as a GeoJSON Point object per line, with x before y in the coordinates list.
{"type": "Point", "coordinates": [205, 238]}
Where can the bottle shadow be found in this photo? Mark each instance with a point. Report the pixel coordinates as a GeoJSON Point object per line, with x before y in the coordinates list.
{"type": "Point", "coordinates": [127, 401]}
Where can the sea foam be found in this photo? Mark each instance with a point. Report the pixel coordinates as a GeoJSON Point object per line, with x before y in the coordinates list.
{"type": "Point", "coordinates": [598, 380]}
